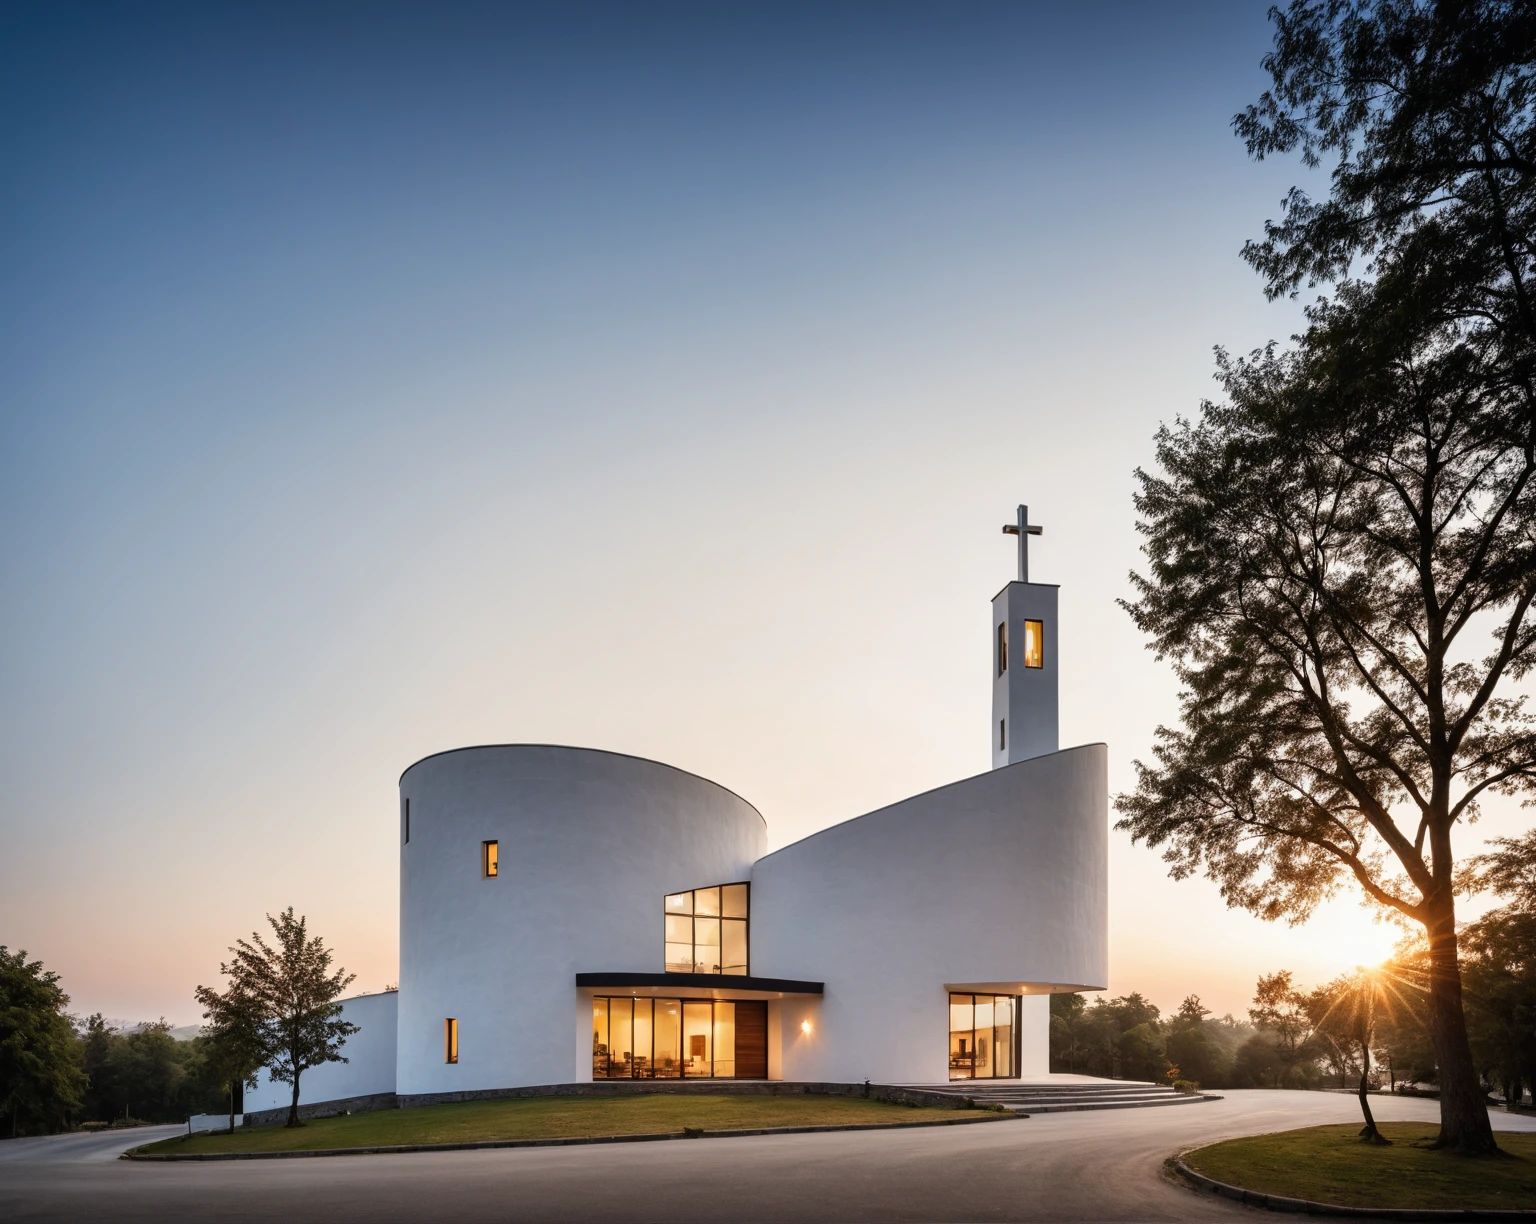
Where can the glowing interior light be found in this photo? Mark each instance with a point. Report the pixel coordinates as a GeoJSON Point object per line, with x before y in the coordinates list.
{"type": "Point", "coordinates": [805, 1026]}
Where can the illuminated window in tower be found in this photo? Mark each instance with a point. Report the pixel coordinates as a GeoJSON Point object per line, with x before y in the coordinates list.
{"type": "Point", "coordinates": [450, 1040]}
{"type": "Point", "coordinates": [490, 859]}
{"type": "Point", "coordinates": [1034, 643]}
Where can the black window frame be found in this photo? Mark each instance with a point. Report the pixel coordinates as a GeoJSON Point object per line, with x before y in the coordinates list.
{"type": "Point", "coordinates": [650, 1059]}
{"type": "Point", "coordinates": [721, 918]}
{"type": "Point", "coordinates": [1017, 1041]}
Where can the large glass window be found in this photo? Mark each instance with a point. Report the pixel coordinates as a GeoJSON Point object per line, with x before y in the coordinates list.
{"type": "Point", "coordinates": [666, 1056]}
{"type": "Point", "coordinates": [599, 1038]}
{"type": "Point", "coordinates": [668, 1038]}
{"type": "Point", "coordinates": [706, 930]}
{"type": "Point", "coordinates": [981, 1036]}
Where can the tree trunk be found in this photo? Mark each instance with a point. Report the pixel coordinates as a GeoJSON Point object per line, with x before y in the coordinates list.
{"type": "Point", "coordinates": [1368, 1133]}
{"type": "Point", "coordinates": [1464, 1124]}
{"type": "Point", "coordinates": [293, 1108]}
{"type": "Point", "coordinates": [233, 1087]}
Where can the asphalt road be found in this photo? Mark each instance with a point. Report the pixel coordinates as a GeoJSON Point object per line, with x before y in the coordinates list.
{"type": "Point", "coordinates": [1077, 1166]}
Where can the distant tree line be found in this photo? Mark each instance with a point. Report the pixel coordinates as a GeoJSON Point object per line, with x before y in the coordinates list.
{"type": "Point", "coordinates": [1370, 1026]}
{"type": "Point", "coordinates": [279, 1011]}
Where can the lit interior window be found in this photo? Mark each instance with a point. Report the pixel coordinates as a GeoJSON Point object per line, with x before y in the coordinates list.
{"type": "Point", "coordinates": [679, 1039]}
{"type": "Point", "coordinates": [450, 1040]}
{"type": "Point", "coordinates": [706, 930]}
{"type": "Point", "coordinates": [1034, 643]}
{"type": "Point", "coordinates": [489, 859]}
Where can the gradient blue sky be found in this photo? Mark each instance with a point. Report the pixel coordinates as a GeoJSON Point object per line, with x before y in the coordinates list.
{"type": "Point", "coordinates": [380, 379]}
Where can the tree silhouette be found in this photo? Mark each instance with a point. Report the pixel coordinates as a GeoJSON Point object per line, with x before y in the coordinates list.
{"type": "Point", "coordinates": [1342, 553]}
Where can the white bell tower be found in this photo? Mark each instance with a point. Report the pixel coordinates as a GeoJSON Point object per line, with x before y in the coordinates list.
{"type": "Point", "coordinates": [1024, 702]}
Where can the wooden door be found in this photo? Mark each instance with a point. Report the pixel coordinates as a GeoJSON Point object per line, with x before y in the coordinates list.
{"type": "Point", "coordinates": [752, 1040]}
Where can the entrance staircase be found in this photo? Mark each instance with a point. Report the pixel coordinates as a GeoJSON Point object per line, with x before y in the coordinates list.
{"type": "Point", "coordinates": [1069, 1095]}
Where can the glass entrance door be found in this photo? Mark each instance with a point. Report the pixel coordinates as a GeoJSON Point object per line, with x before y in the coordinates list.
{"type": "Point", "coordinates": [982, 1036]}
{"type": "Point", "coordinates": [646, 1038]}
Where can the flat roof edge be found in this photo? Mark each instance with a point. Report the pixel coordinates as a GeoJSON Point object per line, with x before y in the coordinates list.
{"type": "Point", "coordinates": [700, 981]}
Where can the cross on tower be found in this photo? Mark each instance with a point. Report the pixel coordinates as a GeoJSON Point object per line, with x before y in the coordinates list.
{"type": "Point", "coordinates": [1023, 529]}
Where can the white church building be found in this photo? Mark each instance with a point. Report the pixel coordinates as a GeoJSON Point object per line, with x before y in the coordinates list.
{"type": "Point", "coordinates": [570, 915]}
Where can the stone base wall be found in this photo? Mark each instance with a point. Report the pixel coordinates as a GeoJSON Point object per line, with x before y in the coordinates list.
{"type": "Point", "coordinates": [599, 1088]}
{"type": "Point", "coordinates": [878, 1092]}
{"type": "Point", "coordinates": [325, 1109]}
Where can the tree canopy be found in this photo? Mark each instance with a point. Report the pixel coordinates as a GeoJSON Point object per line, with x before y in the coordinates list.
{"type": "Point", "coordinates": [1425, 110]}
{"type": "Point", "coordinates": [40, 1078]}
{"type": "Point", "coordinates": [290, 992]}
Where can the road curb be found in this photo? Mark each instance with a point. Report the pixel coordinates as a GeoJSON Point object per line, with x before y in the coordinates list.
{"type": "Point", "coordinates": [576, 1141]}
{"type": "Point", "coordinates": [1277, 1202]}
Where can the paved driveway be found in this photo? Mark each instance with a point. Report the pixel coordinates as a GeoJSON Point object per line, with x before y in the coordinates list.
{"type": "Point", "coordinates": [1082, 1166]}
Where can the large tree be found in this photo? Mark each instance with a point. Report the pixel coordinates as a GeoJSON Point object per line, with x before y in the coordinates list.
{"type": "Point", "coordinates": [1343, 551]}
{"type": "Point", "coordinates": [291, 987]}
{"type": "Point", "coordinates": [40, 1077]}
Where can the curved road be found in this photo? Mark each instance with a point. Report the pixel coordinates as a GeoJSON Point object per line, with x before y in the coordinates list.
{"type": "Point", "coordinates": [1076, 1166]}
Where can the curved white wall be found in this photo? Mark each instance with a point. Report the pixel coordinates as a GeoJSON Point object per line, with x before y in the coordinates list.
{"type": "Point", "coordinates": [370, 1065]}
{"type": "Point", "coordinates": [590, 844]}
{"type": "Point", "coordinates": [999, 880]}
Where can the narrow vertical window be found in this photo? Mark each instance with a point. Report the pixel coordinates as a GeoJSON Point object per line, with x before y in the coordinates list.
{"type": "Point", "coordinates": [1002, 735]}
{"type": "Point", "coordinates": [450, 1040]}
{"type": "Point", "coordinates": [488, 859]}
{"type": "Point", "coordinates": [1034, 643]}
{"type": "Point", "coordinates": [405, 813]}
{"type": "Point", "coordinates": [1002, 648]}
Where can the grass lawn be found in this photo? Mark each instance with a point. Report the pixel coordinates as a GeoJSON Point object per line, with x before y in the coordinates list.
{"type": "Point", "coordinates": [553, 1118]}
{"type": "Point", "coordinates": [1328, 1164]}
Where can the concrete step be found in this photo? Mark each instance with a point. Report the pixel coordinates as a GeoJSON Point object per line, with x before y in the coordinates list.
{"type": "Point", "coordinates": [1178, 1099]}
{"type": "Point", "coordinates": [1062, 1098]}
{"type": "Point", "coordinates": [1104, 1095]}
{"type": "Point", "coordinates": [1075, 1096]}
{"type": "Point", "coordinates": [1069, 1098]}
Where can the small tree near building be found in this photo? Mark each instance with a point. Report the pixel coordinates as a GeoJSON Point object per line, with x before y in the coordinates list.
{"type": "Point", "coordinates": [234, 1040]}
{"type": "Point", "coordinates": [293, 990]}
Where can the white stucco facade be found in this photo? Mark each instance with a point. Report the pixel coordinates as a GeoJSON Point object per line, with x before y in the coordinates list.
{"type": "Point", "coordinates": [370, 1066]}
{"type": "Point", "coordinates": [863, 942]}
{"type": "Point", "coordinates": [998, 884]}
{"type": "Point", "coordinates": [589, 843]}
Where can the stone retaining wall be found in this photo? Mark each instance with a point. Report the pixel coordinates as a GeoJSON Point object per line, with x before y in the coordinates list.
{"type": "Point", "coordinates": [325, 1109]}
{"type": "Point", "coordinates": [878, 1092]}
{"type": "Point", "coordinates": [389, 1100]}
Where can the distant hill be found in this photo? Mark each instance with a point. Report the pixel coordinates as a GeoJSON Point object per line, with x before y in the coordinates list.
{"type": "Point", "coordinates": [185, 1033]}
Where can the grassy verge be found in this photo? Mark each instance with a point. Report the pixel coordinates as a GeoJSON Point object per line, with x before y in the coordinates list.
{"type": "Point", "coordinates": [551, 1118]}
{"type": "Point", "coordinates": [1328, 1164]}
